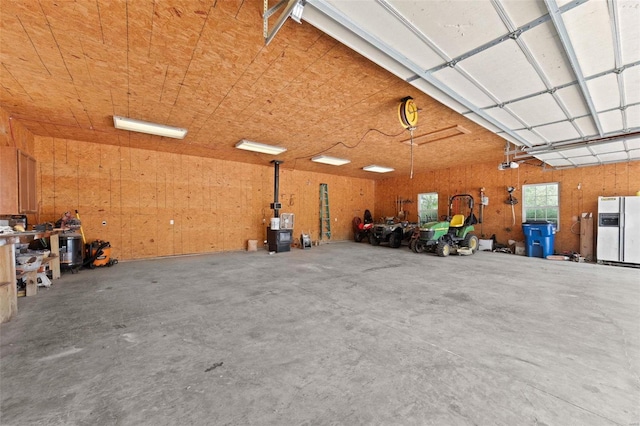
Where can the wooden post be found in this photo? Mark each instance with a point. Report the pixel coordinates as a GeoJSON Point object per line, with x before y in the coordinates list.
{"type": "Point", "coordinates": [8, 291]}
{"type": "Point", "coordinates": [32, 283]}
{"type": "Point", "coordinates": [54, 243]}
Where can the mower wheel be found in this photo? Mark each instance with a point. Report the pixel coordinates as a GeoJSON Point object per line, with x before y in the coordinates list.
{"type": "Point", "coordinates": [395, 240]}
{"type": "Point", "coordinates": [357, 236]}
{"type": "Point", "coordinates": [443, 249]}
{"type": "Point", "coordinates": [416, 246]}
{"type": "Point", "coordinates": [472, 242]}
{"type": "Point", "coordinates": [373, 240]}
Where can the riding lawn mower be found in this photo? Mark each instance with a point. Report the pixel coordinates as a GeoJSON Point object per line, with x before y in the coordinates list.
{"type": "Point", "coordinates": [452, 234]}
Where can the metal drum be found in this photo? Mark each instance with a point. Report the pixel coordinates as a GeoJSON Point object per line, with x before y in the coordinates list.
{"type": "Point", "coordinates": [71, 251]}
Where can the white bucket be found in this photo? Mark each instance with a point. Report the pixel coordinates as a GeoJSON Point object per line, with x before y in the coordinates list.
{"type": "Point", "coordinates": [275, 223]}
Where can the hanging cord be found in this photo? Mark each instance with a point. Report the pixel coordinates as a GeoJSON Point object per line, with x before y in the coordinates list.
{"type": "Point", "coordinates": [411, 129]}
{"type": "Point", "coordinates": [345, 145]}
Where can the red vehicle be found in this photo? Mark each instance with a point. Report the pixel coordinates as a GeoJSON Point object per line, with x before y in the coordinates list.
{"type": "Point", "coordinates": [361, 230]}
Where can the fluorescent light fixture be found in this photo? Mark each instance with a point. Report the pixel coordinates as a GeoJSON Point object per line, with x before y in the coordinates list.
{"type": "Point", "coordinates": [260, 147]}
{"type": "Point", "coordinates": [147, 127]}
{"type": "Point", "coordinates": [377, 169]}
{"type": "Point", "coordinates": [325, 159]}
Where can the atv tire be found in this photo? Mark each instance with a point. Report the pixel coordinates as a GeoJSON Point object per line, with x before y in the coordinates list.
{"type": "Point", "coordinates": [373, 240]}
{"type": "Point", "coordinates": [443, 249]}
{"type": "Point", "coordinates": [395, 240]}
{"type": "Point", "coordinates": [471, 241]}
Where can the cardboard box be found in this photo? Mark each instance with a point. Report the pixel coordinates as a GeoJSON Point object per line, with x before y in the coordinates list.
{"type": "Point", "coordinates": [517, 247]}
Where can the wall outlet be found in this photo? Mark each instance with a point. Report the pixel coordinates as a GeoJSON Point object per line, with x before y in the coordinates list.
{"type": "Point", "coordinates": [104, 223]}
{"type": "Point", "coordinates": [171, 222]}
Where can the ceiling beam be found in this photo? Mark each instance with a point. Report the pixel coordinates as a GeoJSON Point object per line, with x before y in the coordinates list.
{"type": "Point", "coordinates": [506, 20]}
{"type": "Point", "coordinates": [561, 29]}
{"type": "Point", "coordinates": [615, 33]}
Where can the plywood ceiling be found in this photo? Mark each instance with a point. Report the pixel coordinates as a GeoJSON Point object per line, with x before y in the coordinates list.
{"type": "Point", "coordinates": [67, 67]}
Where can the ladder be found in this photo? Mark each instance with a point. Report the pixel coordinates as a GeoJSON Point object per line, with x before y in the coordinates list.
{"type": "Point", "coordinates": [325, 219]}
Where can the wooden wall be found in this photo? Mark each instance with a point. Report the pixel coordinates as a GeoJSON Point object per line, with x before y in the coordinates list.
{"type": "Point", "coordinates": [613, 179]}
{"type": "Point", "coordinates": [216, 205]}
{"type": "Point", "coordinates": [14, 134]}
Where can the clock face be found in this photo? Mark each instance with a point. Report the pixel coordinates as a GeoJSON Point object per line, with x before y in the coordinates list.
{"type": "Point", "coordinates": [408, 113]}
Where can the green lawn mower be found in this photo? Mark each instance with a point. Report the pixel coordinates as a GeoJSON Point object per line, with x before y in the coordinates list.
{"type": "Point", "coordinates": [452, 235]}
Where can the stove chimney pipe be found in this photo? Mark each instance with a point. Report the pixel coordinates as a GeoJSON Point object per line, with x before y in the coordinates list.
{"type": "Point", "coordinates": [276, 206]}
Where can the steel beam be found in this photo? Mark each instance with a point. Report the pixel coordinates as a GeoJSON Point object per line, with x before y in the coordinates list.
{"type": "Point", "coordinates": [558, 23]}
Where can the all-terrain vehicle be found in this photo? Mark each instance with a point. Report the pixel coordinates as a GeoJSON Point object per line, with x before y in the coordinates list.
{"type": "Point", "coordinates": [450, 235]}
{"type": "Point", "coordinates": [392, 232]}
{"type": "Point", "coordinates": [361, 230]}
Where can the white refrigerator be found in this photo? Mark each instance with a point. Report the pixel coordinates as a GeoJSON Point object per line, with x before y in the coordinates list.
{"type": "Point", "coordinates": [618, 229]}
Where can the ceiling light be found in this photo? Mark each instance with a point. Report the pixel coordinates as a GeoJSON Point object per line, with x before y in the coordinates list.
{"type": "Point", "coordinates": [325, 159]}
{"type": "Point", "coordinates": [377, 169]}
{"type": "Point", "coordinates": [260, 147]}
{"type": "Point", "coordinates": [147, 127]}
{"type": "Point", "coordinates": [508, 165]}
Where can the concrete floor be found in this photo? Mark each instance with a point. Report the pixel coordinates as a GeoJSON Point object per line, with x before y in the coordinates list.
{"type": "Point", "coordinates": [341, 334]}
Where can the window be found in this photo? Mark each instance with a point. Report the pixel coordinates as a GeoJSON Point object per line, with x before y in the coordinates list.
{"type": "Point", "coordinates": [541, 202]}
{"type": "Point", "coordinates": [428, 207]}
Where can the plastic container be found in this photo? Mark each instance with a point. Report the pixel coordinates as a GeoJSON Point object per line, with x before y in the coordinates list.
{"type": "Point", "coordinates": [275, 223]}
{"type": "Point", "coordinates": [28, 262]}
{"type": "Point", "coordinates": [539, 238]}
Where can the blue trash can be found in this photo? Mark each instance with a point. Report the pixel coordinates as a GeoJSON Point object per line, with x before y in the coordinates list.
{"type": "Point", "coordinates": [539, 238]}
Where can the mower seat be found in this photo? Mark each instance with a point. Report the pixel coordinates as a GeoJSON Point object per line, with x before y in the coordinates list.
{"type": "Point", "coordinates": [457, 221]}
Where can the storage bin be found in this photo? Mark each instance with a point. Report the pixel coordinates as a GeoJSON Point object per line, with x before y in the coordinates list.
{"type": "Point", "coordinates": [539, 238]}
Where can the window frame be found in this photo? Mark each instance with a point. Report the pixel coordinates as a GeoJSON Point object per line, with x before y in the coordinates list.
{"type": "Point", "coordinates": [544, 207]}
{"type": "Point", "coordinates": [434, 210]}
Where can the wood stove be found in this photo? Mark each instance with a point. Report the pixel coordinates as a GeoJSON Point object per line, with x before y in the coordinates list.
{"type": "Point", "coordinates": [279, 240]}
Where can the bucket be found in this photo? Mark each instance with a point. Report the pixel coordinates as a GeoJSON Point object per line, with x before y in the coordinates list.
{"type": "Point", "coordinates": [275, 223]}
{"type": "Point", "coordinates": [70, 250]}
{"type": "Point", "coordinates": [252, 245]}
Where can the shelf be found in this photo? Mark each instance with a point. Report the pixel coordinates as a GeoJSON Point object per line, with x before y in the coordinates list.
{"type": "Point", "coordinates": [48, 259]}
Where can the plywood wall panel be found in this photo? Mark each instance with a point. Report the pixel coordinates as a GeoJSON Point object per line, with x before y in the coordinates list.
{"type": "Point", "coordinates": [130, 192]}
{"type": "Point", "coordinates": [59, 153]}
{"type": "Point", "coordinates": [143, 235]}
{"type": "Point", "coordinates": [91, 196]}
{"type": "Point", "coordinates": [164, 236]}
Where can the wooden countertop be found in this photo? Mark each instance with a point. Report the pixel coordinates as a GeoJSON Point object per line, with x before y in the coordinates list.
{"type": "Point", "coordinates": [16, 236]}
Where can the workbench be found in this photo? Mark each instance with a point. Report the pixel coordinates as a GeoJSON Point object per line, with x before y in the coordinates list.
{"type": "Point", "coordinates": [8, 276]}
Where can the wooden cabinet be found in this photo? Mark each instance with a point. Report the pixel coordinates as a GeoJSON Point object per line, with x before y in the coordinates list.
{"type": "Point", "coordinates": [8, 180]}
{"type": "Point", "coordinates": [27, 197]}
{"type": "Point", "coordinates": [17, 182]}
